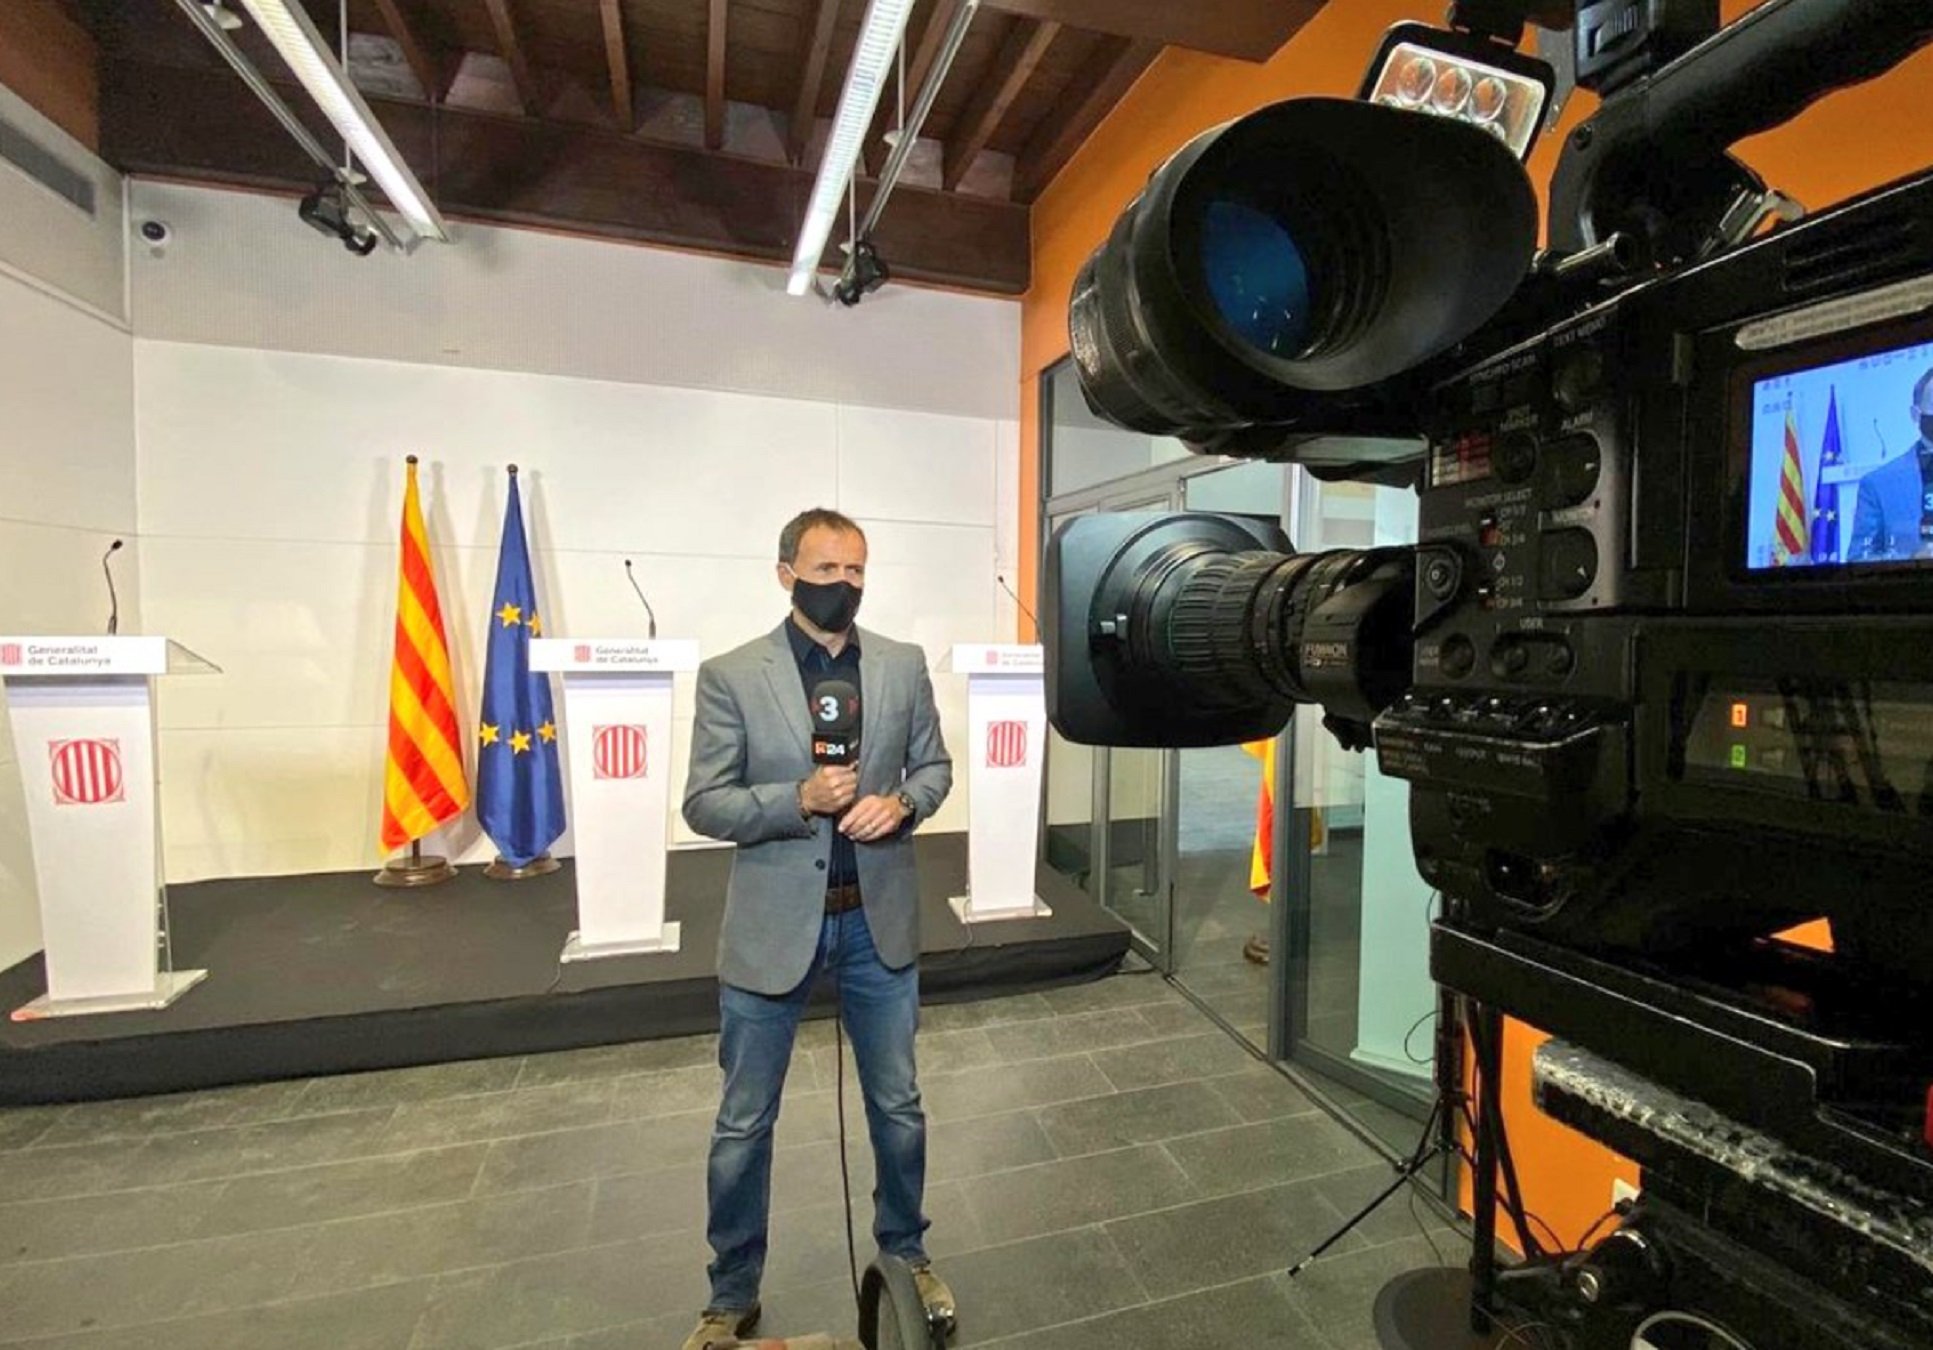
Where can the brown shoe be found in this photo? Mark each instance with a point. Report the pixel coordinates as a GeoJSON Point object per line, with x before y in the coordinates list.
{"type": "Point", "coordinates": [720, 1327]}
{"type": "Point", "coordinates": [937, 1298]}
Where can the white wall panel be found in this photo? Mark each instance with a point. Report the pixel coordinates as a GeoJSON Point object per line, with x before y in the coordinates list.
{"type": "Point", "coordinates": [248, 444]}
{"type": "Point", "coordinates": [271, 488]}
{"type": "Point", "coordinates": [267, 800]}
{"type": "Point", "coordinates": [66, 414]}
{"type": "Point", "coordinates": [243, 271]}
{"type": "Point", "coordinates": [916, 466]}
{"type": "Point", "coordinates": [67, 458]}
{"type": "Point", "coordinates": [1008, 493]}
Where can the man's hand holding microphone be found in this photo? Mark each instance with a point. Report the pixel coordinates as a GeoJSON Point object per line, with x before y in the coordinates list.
{"type": "Point", "coordinates": [833, 788]}
{"type": "Point", "coordinates": [831, 791]}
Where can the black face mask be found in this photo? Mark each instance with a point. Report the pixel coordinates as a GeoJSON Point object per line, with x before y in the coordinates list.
{"type": "Point", "coordinates": [830, 606]}
{"type": "Point", "coordinates": [1926, 427]}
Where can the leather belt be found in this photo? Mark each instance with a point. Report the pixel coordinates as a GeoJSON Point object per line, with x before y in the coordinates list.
{"type": "Point", "coordinates": [842, 899]}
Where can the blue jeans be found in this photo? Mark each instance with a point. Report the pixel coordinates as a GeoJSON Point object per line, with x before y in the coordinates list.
{"type": "Point", "coordinates": [881, 1013]}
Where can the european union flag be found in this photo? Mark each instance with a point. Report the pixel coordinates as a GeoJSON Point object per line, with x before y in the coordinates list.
{"type": "Point", "coordinates": [1825, 497]}
{"type": "Point", "coordinates": [520, 789]}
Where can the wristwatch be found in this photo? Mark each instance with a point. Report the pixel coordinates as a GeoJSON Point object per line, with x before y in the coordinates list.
{"type": "Point", "coordinates": [912, 807]}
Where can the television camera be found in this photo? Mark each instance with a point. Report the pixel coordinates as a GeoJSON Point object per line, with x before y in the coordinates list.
{"type": "Point", "coordinates": [1659, 671]}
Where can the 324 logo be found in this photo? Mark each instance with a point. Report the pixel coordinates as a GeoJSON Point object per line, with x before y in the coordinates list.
{"type": "Point", "coordinates": [1006, 744]}
{"type": "Point", "coordinates": [87, 773]}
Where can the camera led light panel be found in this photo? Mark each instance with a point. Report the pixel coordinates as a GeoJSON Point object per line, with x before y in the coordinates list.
{"type": "Point", "coordinates": [1423, 79]}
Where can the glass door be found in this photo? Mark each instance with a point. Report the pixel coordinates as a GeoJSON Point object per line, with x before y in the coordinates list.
{"type": "Point", "coordinates": [1106, 809]}
{"type": "Point", "coordinates": [1222, 952]}
{"type": "Point", "coordinates": [1361, 999]}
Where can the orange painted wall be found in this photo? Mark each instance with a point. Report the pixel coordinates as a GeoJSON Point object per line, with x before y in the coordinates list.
{"type": "Point", "coordinates": [49, 60]}
{"type": "Point", "coordinates": [1851, 141]}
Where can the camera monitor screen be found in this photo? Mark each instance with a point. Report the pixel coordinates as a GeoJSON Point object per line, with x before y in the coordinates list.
{"type": "Point", "coordinates": [1842, 463]}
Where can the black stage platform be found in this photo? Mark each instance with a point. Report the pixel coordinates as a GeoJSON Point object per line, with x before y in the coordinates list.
{"type": "Point", "coordinates": [330, 974]}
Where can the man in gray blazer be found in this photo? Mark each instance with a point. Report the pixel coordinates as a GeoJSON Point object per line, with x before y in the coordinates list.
{"type": "Point", "coordinates": [823, 880]}
{"type": "Point", "coordinates": [1893, 520]}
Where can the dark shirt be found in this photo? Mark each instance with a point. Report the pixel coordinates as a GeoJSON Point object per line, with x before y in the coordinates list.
{"type": "Point", "coordinates": [815, 664]}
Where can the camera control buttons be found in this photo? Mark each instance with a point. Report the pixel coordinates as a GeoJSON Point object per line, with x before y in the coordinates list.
{"type": "Point", "coordinates": [1515, 458]}
{"type": "Point", "coordinates": [1568, 564]}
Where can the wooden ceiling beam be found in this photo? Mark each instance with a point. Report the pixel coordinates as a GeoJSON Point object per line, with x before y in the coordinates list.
{"type": "Point", "coordinates": [510, 47]}
{"type": "Point", "coordinates": [1251, 30]}
{"type": "Point", "coordinates": [812, 74]}
{"type": "Point", "coordinates": [715, 74]}
{"type": "Point", "coordinates": [1012, 68]}
{"type": "Point", "coordinates": [432, 73]}
{"type": "Point", "coordinates": [938, 20]}
{"type": "Point", "coordinates": [1100, 84]}
{"type": "Point", "coordinates": [617, 55]}
{"type": "Point", "coordinates": [174, 122]}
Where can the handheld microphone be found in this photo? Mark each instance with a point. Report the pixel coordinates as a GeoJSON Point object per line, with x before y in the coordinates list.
{"type": "Point", "coordinates": [1018, 601]}
{"type": "Point", "coordinates": [113, 599]}
{"type": "Point", "coordinates": [648, 612]}
{"type": "Point", "coordinates": [834, 708]}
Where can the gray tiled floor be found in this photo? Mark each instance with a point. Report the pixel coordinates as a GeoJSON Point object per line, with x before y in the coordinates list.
{"type": "Point", "coordinates": [1102, 1161]}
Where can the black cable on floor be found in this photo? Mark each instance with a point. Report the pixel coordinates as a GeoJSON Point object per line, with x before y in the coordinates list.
{"type": "Point", "coordinates": [839, 1099]}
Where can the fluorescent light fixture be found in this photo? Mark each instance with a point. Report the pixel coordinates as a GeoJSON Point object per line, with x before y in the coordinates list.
{"type": "Point", "coordinates": [872, 58]}
{"type": "Point", "coordinates": [285, 25]}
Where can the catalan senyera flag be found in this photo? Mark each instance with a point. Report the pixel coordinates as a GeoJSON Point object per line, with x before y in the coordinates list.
{"type": "Point", "coordinates": [1261, 858]}
{"type": "Point", "coordinates": [423, 782]}
{"type": "Point", "coordinates": [1792, 534]}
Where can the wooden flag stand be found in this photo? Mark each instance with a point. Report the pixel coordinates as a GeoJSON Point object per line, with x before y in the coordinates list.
{"type": "Point", "coordinates": [414, 869]}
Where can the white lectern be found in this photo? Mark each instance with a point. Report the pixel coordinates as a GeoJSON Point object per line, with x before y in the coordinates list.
{"type": "Point", "coordinates": [1007, 740]}
{"type": "Point", "coordinates": [617, 732]}
{"type": "Point", "coordinates": [82, 710]}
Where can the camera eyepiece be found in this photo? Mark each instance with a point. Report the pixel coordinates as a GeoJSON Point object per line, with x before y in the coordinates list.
{"type": "Point", "coordinates": [1312, 249]}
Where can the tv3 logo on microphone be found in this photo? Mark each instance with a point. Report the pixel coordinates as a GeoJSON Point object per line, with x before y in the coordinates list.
{"type": "Point", "coordinates": [620, 752]}
{"type": "Point", "coordinates": [1006, 745]}
{"type": "Point", "coordinates": [87, 772]}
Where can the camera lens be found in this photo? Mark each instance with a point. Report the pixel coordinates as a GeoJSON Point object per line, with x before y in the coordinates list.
{"type": "Point", "coordinates": [1257, 275]}
{"type": "Point", "coordinates": [1194, 635]}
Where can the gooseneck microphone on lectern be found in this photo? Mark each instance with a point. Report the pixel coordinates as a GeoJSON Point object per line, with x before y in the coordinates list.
{"type": "Point", "coordinates": [113, 598]}
{"type": "Point", "coordinates": [1018, 601]}
{"type": "Point", "coordinates": [649, 613]}
{"type": "Point", "coordinates": [834, 707]}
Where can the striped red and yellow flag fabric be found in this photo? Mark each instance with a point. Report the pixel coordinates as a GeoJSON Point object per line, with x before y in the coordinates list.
{"type": "Point", "coordinates": [423, 782]}
{"type": "Point", "coordinates": [1261, 858]}
{"type": "Point", "coordinates": [1792, 533]}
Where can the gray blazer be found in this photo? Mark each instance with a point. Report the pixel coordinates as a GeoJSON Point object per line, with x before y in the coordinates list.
{"type": "Point", "coordinates": [750, 749]}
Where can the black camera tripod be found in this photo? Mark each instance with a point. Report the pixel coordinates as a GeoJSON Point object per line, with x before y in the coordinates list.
{"type": "Point", "coordinates": [1417, 1310]}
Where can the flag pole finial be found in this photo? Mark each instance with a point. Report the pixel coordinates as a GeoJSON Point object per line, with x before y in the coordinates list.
{"type": "Point", "coordinates": [409, 459]}
{"type": "Point", "coordinates": [513, 470]}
